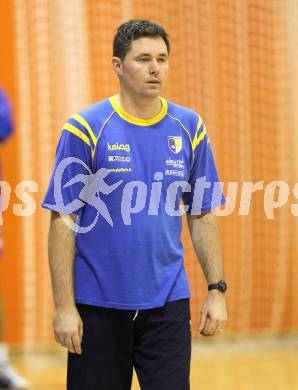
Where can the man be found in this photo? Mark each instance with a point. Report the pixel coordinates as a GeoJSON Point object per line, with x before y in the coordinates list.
{"type": "Point", "coordinates": [9, 378]}
{"type": "Point", "coordinates": [121, 168]}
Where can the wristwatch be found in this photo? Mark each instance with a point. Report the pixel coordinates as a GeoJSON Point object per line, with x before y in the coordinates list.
{"type": "Point", "coordinates": [221, 286]}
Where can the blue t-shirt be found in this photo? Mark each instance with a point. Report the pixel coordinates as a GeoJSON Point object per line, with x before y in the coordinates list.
{"type": "Point", "coordinates": [124, 178]}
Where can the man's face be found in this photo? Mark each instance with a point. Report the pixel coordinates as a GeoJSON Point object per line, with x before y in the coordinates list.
{"type": "Point", "coordinates": [144, 70]}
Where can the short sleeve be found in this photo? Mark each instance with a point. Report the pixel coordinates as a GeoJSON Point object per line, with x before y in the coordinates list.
{"type": "Point", "coordinates": [205, 189]}
{"type": "Point", "coordinates": [72, 168]}
{"type": "Point", "coordinates": [6, 121]}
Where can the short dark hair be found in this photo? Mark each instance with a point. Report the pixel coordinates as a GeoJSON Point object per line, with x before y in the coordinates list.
{"type": "Point", "coordinates": [135, 29]}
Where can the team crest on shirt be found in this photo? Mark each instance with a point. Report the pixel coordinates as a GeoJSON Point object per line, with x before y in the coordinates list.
{"type": "Point", "coordinates": [175, 143]}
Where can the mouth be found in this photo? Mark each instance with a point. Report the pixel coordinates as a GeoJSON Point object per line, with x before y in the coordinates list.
{"type": "Point", "coordinates": [153, 82]}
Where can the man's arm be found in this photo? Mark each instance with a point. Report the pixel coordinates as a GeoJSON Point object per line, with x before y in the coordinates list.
{"type": "Point", "coordinates": [68, 326]}
{"type": "Point", "coordinates": [205, 236]}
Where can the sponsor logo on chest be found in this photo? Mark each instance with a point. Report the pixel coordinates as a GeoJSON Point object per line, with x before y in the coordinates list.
{"type": "Point", "coordinates": [123, 159]}
{"type": "Point", "coordinates": [175, 163]}
{"type": "Point", "coordinates": [174, 172]}
{"type": "Point", "coordinates": [117, 146]}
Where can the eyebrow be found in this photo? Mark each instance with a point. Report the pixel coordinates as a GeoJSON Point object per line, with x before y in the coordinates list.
{"type": "Point", "coordinates": [149, 55]}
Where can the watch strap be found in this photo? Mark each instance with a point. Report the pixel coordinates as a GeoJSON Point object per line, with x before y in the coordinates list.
{"type": "Point", "coordinates": [221, 286]}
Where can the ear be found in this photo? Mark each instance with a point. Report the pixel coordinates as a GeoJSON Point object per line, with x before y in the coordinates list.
{"type": "Point", "coordinates": [117, 66]}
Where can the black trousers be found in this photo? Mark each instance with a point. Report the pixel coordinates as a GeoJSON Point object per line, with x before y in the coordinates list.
{"type": "Point", "coordinates": [156, 342]}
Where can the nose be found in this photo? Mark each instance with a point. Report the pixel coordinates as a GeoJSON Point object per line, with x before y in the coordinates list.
{"type": "Point", "coordinates": [153, 68]}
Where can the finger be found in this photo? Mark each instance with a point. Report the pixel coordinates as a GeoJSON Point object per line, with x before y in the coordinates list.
{"type": "Point", "coordinates": [202, 321]}
{"type": "Point", "coordinates": [76, 342]}
{"type": "Point", "coordinates": [205, 331]}
{"type": "Point", "coordinates": [68, 344]}
{"type": "Point", "coordinates": [81, 331]}
{"type": "Point", "coordinates": [210, 327]}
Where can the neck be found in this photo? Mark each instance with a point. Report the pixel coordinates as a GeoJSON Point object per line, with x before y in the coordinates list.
{"type": "Point", "coordinates": [143, 108]}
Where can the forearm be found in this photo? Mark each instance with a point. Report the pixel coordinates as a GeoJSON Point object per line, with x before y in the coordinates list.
{"type": "Point", "coordinates": [205, 236]}
{"type": "Point", "coordinates": [61, 257]}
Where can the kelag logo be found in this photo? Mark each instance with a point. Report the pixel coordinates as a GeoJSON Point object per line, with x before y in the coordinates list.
{"type": "Point", "coordinates": [117, 146]}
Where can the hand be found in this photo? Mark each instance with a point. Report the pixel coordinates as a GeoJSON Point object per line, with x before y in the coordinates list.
{"type": "Point", "coordinates": [213, 314]}
{"type": "Point", "coordinates": [68, 329]}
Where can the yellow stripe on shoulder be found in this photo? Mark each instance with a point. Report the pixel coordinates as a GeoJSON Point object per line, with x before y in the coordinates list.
{"type": "Point", "coordinates": [198, 138]}
{"type": "Point", "coordinates": [196, 133]}
{"type": "Point", "coordinates": [84, 123]}
{"type": "Point", "coordinates": [72, 129]}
